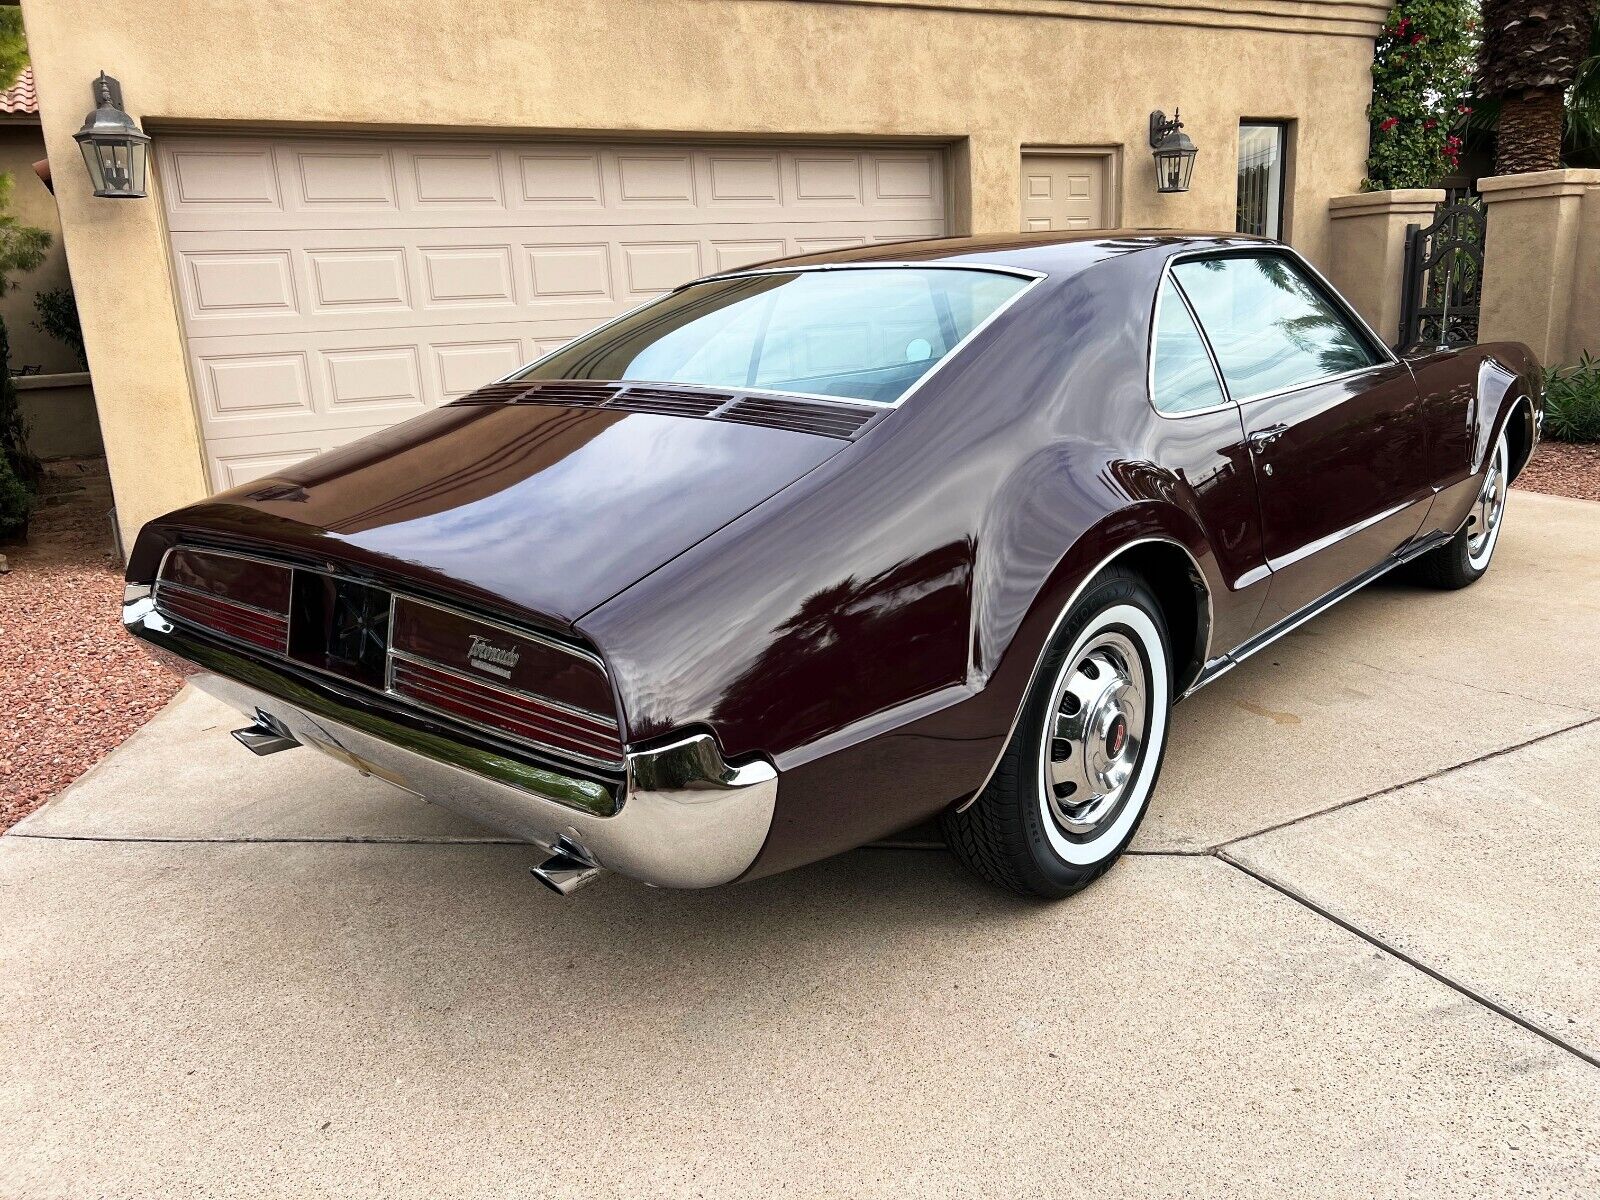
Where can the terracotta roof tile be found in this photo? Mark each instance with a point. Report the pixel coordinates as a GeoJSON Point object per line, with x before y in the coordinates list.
{"type": "Point", "coordinates": [21, 96]}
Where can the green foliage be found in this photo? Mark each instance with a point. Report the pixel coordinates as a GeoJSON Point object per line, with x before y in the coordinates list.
{"type": "Point", "coordinates": [1582, 128]}
{"type": "Point", "coordinates": [1580, 132]}
{"type": "Point", "coordinates": [16, 502]}
{"type": "Point", "coordinates": [22, 248]}
{"type": "Point", "coordinates": [58, 318]}
{"type": "Point", "coordinates": [13, 46]}
{"type": "Point", "coordinates": [1421, 69]}
{"type": "Point", "coordinates": [1572, 401]}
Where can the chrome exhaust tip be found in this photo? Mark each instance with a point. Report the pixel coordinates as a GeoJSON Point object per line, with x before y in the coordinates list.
{"type": "Point", "coordinates": [265, 736]}
{"type": "Point", "coordinates": [566, 870]}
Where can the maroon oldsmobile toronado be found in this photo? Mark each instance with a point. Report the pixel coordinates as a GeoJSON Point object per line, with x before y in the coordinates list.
{"type": "Point", "coordinates": [800, 555]}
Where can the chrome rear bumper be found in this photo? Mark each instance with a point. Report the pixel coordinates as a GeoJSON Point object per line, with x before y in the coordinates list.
{"type": "Point", "coordinates": [683, 816]}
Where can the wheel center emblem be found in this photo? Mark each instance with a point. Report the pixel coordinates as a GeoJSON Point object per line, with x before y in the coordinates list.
{"type": "Point", "coordinates": [1116, 737]}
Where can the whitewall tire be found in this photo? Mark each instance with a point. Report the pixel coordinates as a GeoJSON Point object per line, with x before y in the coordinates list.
{"type": "Point", "coordinates": [1076, 776]}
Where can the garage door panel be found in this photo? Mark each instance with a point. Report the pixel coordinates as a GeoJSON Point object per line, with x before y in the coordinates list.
{"type": "Point", "coordinates": [234, 184]}
{"type": "Point", "coordinates": [330, 287]}
{"type": "Point", "coordinates": [325, 280]}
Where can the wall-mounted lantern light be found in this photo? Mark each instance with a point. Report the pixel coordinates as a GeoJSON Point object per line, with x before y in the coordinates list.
{"type": "Point", "coordinates": [115, 149]}
{"type": "Point", "coordinates": [1174, 152]}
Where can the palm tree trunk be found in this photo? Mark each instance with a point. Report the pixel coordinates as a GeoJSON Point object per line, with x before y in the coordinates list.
{"type": "Point", "coordinates": [1528, 133]}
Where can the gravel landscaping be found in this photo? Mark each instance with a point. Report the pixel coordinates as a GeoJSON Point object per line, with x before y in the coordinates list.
{"type": "Point", "coordinates": [73, 686]}
{"type": "Point", "coordinates": [1564, 469]}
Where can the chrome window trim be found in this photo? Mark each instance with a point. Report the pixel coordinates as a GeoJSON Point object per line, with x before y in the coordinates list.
{"type": "Point", "coordinates": [1318, 280]}
{"type": "Point", "coordinates": [1034, 278]}
{"type": "Point", "coordinates": [387, 690]}
{"type": "Point", "coordinates": [903, 264]}
{"type": "Point", "coordinates": [1205, 344]}
{"type": "Point", "coordinates": [1072, 600]}
{"type": "Point", "coordinates": [1342, 377]}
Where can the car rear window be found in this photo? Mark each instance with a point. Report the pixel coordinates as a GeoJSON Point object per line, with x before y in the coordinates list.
{"type": "Point", "coordinates": [857, 333]}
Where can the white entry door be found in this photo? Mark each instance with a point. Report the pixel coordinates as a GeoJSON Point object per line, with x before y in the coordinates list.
{"type": "Point", "coordinates": [332, 287]}
{"type": "Point", "coordinates": [1065, 191]}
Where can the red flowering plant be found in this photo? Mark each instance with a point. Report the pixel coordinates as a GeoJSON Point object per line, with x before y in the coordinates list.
{"type": "Point", "coordinates": [1420, 71]}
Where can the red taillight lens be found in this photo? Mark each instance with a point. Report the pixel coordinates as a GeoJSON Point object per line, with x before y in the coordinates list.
{"type": "Point", "coordinates": [243, 598]}
{"type": "Point", "coordinates": [528, 686]}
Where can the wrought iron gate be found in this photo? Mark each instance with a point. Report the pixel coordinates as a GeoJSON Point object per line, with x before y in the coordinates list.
{"type": "Point", "coordinates": [1442, 282]}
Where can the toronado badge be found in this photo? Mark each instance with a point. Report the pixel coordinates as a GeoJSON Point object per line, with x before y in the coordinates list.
{"type": "Point", "coordinates": [486, 656]}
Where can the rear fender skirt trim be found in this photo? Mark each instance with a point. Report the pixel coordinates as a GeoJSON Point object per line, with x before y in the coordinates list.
{"type": "Point", "coordinates": [1089, 577]}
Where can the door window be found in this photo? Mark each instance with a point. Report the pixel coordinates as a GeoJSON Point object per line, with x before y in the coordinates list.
{"type": "Point", "coordinates": [1270, 327]}
{"type": "Point", "coordinates": [1181, 376]}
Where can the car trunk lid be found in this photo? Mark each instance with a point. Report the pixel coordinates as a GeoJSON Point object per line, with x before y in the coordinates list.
{"type": "Point", "coordinates": [543, 508]}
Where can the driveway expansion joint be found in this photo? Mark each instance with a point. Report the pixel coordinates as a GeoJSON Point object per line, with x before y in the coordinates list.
{"type": "Point", "coordinates": [1385, 791]}
{"type": "Point", "coordinates": [1410, 960]}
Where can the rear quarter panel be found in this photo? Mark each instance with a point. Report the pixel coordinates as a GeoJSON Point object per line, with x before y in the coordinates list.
{"type": "Point", "coordinates": [873, 627]}
{"type": "Point", "coordinates": [1468, 397]}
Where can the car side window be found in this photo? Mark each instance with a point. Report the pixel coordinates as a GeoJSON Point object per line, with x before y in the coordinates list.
{"type": "Point", "coordinates": [1270, 327]}
{"type": "Point", "coordinates": [1181, 376]}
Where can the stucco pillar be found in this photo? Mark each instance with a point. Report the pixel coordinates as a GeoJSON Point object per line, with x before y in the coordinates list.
{"type": "Point", "coordinates": [1540, 262]}
{"type": "Point", "coordinates": [117, 251]}
{"type": "Point", "coordinates": [1368, 247]}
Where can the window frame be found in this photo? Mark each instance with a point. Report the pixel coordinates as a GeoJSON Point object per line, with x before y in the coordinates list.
{"type": "Point", "coordinates": [1205, 344]}
{"type": "Point", "coordinates": [1032, 279]}
{"type": "Point", "coordinates": [1282, 128]}
{"type": "Point", "coordinates": [1386, 356]}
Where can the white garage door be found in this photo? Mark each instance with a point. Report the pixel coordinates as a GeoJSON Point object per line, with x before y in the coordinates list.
{"type": "Point", "coordinates": [329, 288]}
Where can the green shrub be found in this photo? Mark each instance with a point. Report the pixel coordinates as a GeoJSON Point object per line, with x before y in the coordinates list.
{"type": "Point", "coordinates": [16, 501]}
{"type": "Point", "coordinates": [58, 318]}
{"type": "Point", "coordinates": [1572, 401]}
{"type": "Point", "coordinates": [1421, 67]}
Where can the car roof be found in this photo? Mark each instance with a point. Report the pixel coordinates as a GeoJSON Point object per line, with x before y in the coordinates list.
{"type": "Point", "coordinates": [1052, 253]}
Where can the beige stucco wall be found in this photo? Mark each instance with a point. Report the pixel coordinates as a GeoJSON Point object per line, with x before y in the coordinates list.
{"type": "Point", "coordinates": [22, 145]}
{"type": "Point", "coordinates": [1367, 248]}
{"type": "Point", "coordinates": [989, 76]}
{"type": "Point", "coordinates": [1541, 263]}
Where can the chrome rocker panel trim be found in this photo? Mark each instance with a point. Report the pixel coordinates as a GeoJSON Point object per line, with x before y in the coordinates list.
{"type": "Point", "coordinates": [687, 818]}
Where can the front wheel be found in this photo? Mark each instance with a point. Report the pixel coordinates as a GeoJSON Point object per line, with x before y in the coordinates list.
{"type": "Point", "coordinates": [1464, 558]}
{"type": "Point", "coordinates": [1077, 774]}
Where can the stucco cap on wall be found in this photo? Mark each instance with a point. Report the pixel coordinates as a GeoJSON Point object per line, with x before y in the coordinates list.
{"type": "Point", "coordinates": [1539, 185]}
{"type": "Point", "coordinates": [25, 383]}
{"type": "Point", "coordinates": [1403, 201]}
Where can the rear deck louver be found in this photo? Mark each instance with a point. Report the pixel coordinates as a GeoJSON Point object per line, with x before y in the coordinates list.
{"type": "Point", "coordinates": [826, 418]}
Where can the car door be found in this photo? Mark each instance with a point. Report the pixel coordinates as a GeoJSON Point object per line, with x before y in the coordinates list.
{"type": "Point", "coordinates": [1332, 419]}
{"type": "Point", "coordinates": [1202, 441]}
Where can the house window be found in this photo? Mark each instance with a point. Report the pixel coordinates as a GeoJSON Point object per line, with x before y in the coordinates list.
{"type": "Point", "coordinates": [1262, 154]}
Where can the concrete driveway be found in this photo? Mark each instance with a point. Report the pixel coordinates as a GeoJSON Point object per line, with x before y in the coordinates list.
{"type": "Point", "coordinates": [1356, 952]}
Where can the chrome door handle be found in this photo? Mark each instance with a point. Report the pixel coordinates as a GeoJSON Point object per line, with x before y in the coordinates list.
{"type": "Point", "coordinates": [1262, 438]}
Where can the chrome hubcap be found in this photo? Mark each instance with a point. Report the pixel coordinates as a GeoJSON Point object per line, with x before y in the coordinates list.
{"type": "Point", "coordinates": [1099, 722]}
{"type": "Point", "coordinates": [1485, 516]}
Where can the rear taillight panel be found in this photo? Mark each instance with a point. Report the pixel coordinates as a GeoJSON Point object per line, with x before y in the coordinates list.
{"type": "Point", "coordinates": [509, 682]}
{"type": "Point", "coordinates": [509, 679]}
{"type": "Point", "coordinates": [242, 598]}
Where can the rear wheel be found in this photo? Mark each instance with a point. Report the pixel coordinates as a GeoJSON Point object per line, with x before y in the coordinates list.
{"type": "Point", "coordinates": [1464, 558]}
{"type": "Point", "coordinates": [1077, 774]}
